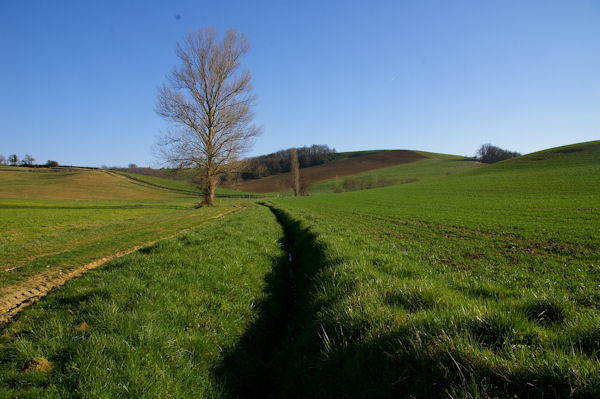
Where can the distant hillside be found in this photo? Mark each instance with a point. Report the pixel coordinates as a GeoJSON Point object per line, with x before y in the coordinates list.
{"type": "Point", "coordinates": [570, 168]}
{"type": "Point", "coordinates": [345, 166]}
{"type": "Point", "coordinates": [279, 162]}
{"type": "Point", "coordinates": [433, 166]}
{"type": "Point", "coordinates": [75, 184]}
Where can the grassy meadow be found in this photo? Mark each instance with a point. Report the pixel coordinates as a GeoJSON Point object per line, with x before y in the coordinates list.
{"type": "Point", "coordinates": [483, 284]}
{"type": "Point", "coordinates": [435, 166]}
{"type": "Point", "coordinates": [156, 323]}
{"type": "Point", "coordinates": [472, 282]}
{"type": "Point", "coordinates": [65, 228]}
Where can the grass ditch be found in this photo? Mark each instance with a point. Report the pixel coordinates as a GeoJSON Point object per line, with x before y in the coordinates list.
{"type": "Point", "coordinates": [261, 364]}
{"type": "Point", "coordinates": [361, 330]}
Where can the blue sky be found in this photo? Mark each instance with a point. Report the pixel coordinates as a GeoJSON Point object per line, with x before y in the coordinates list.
{"type": "Point", "coordinates": [78, 79]}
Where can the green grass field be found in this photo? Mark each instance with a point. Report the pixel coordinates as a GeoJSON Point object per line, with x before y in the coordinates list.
{"type": "Point", "coordinates": [156, 323]}
{"type": "Point", "coordinates": [481, 284]}
{"type": "Point", "coordinates": [68, 230]}
{"type": "Point", "coordinates": [172, 184]}
{"type": "Point", "coordinates": [475, 281]}
{"type": "Point", "coordinates": [180, 186]}
{"type": "Point", "coordinates": [51, 237]}
{"type": "Point", "coordinates": [436, 166]}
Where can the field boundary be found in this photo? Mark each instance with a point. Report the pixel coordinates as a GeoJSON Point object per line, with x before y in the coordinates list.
{"type": "Point", "coordinates": [40, 285]}
{"type": "Point", "coordinates": [191, 193]}
{"type": "Point", "coordinates": [146, 183]}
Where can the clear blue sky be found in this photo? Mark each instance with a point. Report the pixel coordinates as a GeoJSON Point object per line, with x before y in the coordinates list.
{"type": "Point", "coordinates": [78, 79]}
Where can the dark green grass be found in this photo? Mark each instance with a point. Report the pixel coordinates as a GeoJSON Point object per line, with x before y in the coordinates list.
{"type": "Point", "coordinates": [160, 320]}
{"type": "Point", "coordinates": [483, 284]}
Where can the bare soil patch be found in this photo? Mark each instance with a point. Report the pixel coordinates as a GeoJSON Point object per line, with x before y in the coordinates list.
{"type": "Point", "coordinates": [331, 170]}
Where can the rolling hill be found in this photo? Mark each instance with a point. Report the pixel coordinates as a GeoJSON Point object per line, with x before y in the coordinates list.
{"type": "Point", "coordinates": [480, 284]}
{"type": "Point", "coordinates": [472, 282]}
{"type": "Point", "coordinates": [345, 166]}
{"type": "Point", "coordinates": [75, 184]}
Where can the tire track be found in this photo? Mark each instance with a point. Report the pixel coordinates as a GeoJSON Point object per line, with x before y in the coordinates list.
{"type": "Point", "coordinates": [38, 286]}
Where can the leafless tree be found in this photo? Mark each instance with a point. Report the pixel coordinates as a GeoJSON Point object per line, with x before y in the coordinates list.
{"type": "Point", "coordinates": [488, 153]}
{"type": "Point", "coordinates": [208, 100]}
{"type": "Point", "coordinates": [2, 160]}
{"type": "Point", "coordinates": [295, 168]}
{"type": "Point", "coordinates": [28, 160]}
{"type": "Point", "coordinates": [13, 159]}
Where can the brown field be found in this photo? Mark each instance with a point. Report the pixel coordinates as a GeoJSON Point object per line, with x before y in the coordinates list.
{"type": "Point", "coordinates": [344, 167]}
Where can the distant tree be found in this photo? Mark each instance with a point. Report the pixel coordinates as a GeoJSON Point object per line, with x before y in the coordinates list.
{"type": "Point", "coordinates": [104, 167]}
{"type": "Point", "coordinates": [279, 162]}
{"type": "Point", "coordinates": [51, 164]}
{"type": "Point", "coordinates": [28, 160]}
{"type": "Point", "coordinates": [209, 102]}
{"type": "Point", "coordinates": [304, 187]}
{"type": "Point", "coordinates": [13, 159]}
{"type": "Point", "coordinates": [2, 160]}
{"type": "Point", "coordinates": [295, 168]}
{"type": "Point", "coordinates": [488, 153]}
{"type": "Point", "coordinates": [132, 166]}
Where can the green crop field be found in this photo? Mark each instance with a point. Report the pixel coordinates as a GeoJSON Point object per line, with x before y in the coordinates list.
{"type": "Point", "coordinates": [154, 324]}
{"type": "Point", "coordinates": [179, 186]}
{"type": "Point", "coordinates": [481, 284]}
{"type": "Point", "coordinates": [172, 184]}
{"type": "Point", "coordinates": [435, 166]}
{"type": "Point", "coordinates": [69, 229]}
{"type": "Point", "coordinates": [474, 281]}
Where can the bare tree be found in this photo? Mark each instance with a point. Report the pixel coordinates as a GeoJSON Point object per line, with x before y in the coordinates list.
{"type": "Point", "coordinates": [28, 160]}
{"type": "Point", "coordinates": [295, 168]}
{"type": "Point", "coordinates": [488, 153]}
{"type": "Point", "coordinates": [13, 159]}
{"type": "Point", "coordinates": [2, 160]}
{"type": "Point", "coordinates": [208, 101]}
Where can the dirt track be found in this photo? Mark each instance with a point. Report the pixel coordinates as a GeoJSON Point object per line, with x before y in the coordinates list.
{"type": "Point", "coordinates": [38, 286]}
{"type": "Point", "coordinates": [345, 167]}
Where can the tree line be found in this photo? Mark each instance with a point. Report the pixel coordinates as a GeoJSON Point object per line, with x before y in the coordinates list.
{"type": "Point", "coordinates": [489, 153]}
{"type": "Point", "coordinates": [28, 160]}
{"type": "Point", "coordinates": [281, 162]}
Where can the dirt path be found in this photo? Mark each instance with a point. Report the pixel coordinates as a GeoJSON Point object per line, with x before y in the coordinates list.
{"type": "Point", "coordinates": [38, 286]}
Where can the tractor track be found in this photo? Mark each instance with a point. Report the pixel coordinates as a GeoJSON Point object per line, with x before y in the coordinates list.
{"type": "Point", "coordinates": [40, 285]}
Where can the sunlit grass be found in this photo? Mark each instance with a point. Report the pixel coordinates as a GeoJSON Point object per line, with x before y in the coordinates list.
{"type": "Point", "coordinates": [156, 323]}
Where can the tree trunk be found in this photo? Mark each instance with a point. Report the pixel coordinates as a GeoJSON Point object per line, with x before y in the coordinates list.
{"type": "Point", "coordinates": [209, 194]}
{"type": "Point", "coordinates": [209, 191]}
{"type": "Point", "coordinates": [295, 167]}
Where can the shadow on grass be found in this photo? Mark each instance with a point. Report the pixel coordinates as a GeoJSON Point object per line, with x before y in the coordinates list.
{"type": "Point", "coordinates": [297, 350]}
{"type": "Point", "coordinates": [253, 368]}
